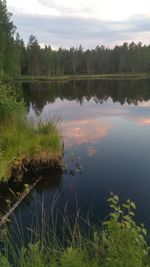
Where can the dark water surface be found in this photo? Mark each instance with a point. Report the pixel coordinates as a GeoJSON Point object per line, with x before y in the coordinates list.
{"type": "Point", "coordinates": [106, 127]}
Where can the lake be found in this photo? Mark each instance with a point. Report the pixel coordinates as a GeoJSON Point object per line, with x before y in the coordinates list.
{"type": "Point", "coordinates": [105, 126]}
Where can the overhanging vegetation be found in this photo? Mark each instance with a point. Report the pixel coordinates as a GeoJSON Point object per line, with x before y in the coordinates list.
{"type": "Point", "coordinates": [23, 145]}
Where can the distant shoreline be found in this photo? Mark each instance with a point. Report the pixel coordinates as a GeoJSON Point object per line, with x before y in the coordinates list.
{"type": "Point", "coordinates": [66, 78]}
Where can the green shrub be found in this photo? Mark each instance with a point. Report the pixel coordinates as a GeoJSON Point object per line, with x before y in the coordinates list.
{"type": "Point", "coordinates": [10, 107]}
{"type": "Point", "coordinates": [124, 241]}
{"type": "Point", "coordinates": [32, 256]}
{"type": "Point", "coordinates": [75, 257]}
{"type": "Point", "coordinates": [120, 243]}
{"type": "Point", "coordinates": [4, 261]}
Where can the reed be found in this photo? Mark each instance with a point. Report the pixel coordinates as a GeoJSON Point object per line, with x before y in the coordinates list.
{"type": "Point", "coordinates": [118, 242]}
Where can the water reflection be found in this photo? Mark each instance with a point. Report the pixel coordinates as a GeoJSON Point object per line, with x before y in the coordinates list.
{"type": "Point", "coordinates": [91, 151]}
{"type": "Point", "coordinates": [107, 124]}
{"type": "Point", "coordinates": [122, 91]}
{"type": "Point", "coordinates": [86, 131]}
{"type": "Point", "coordinates": [143, 121]}
{"type": "Point", "coordinates": [10, 192]}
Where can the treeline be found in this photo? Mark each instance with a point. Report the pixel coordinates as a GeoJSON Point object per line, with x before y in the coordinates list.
{"type": "Point", "coordinates": [17, 59]}
{"type": "Point", "coordinates": [44, 61]}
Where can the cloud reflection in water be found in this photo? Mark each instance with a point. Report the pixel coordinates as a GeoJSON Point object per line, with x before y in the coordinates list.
{"type": "Point", "coordinates": [85, 131]}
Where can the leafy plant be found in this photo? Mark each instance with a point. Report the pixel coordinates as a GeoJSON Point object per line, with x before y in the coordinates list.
{"type": "Point", "coordinates": [10, 107]}
{"type": "Point", "coordinates": [119, 243]}
{"type": "Point", "coordinates": [124, 241]}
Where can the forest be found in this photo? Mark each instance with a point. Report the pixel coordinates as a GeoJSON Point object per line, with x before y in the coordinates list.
{"type": "Point", "coordinates": [65, 145]}
{"type": "Point", "coordinates": [18, 58]}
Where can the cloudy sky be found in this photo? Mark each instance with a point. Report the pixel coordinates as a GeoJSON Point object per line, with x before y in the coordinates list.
{"type": "Point", "coordinates": [68, 23]}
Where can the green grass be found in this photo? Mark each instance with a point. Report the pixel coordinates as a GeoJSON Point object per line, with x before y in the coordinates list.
{"type": "Point", "coordinates": [10, 106]}
{"type": "Point", "coordinates": [64, 78]}
{"type": "Point", "coordinates": [23, 144]}
{"type": "Point", "coordinates": [118, 242]}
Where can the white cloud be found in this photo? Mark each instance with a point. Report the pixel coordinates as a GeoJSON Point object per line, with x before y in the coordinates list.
{"type": "Point", "coordinates": [100, 9]}
{"type": "Point", "coordinates": [92, 22]}
{"type": "Point", "coordinates": [32, 7]}
{"type": "Point", "coordinates": [71, 31]}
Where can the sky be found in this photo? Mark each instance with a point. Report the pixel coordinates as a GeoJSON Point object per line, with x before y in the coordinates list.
{"type": "Point", "coordinates": [67, 23]}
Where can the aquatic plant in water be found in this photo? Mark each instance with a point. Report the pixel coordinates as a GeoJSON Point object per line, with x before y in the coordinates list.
{"type": "Point", "coordinates": [118, 242]}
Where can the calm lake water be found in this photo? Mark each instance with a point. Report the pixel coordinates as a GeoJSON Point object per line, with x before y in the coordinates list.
{"type": "Point", "coordinates": [106, 129]}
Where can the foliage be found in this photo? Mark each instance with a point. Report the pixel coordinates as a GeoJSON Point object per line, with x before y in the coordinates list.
{"type": "Point", "coordinates": [4, 262]}
{"type": "Point", "coordinates": [22, 142]}
{"type": "Point", "coordinates": [17, 59]}
{"type": "Point", "coordinates": [9, 52]}
{"type": "Point", "coordinates": [127, 58]}
{"type": "Point", "coordinates": [75, 257]}
{"type": "Point", "coordinates": [10, 107]}
{"type": "Point", "coordinates": [124, 241]}
{"type": "Point", "coordinates": [119, 243]}
{"type": "Point", "coordinates": [33, 256]}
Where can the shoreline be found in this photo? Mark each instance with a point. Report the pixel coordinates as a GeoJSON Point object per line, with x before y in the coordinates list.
{"type": "Point", "coordinates": [67, 78]}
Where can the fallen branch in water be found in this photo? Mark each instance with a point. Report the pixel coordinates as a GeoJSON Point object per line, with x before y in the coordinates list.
{"type": "Point", "coordinates": [4, 219]}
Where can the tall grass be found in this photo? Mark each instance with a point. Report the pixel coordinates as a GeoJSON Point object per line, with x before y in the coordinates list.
{"type": "Point", "coordinates": [118, 242]}
{"type": "Point", "coordinates": [23, 144]}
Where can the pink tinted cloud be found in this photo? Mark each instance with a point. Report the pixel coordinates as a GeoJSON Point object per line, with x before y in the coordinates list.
{"type": "Point", "coordinates": [86, 131]}
{"type": "Point", "coordinates": [143, 121]}
{"type": "Point", "coordinates": [91, 151]}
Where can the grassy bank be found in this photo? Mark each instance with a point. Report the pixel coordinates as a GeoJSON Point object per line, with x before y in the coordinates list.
{"type": "Point", "coordinates": [118, 242]}
{"type": "Point", "coordinates": [81, 77]}
{"type": "Point", "coordinates": [23, 145]}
